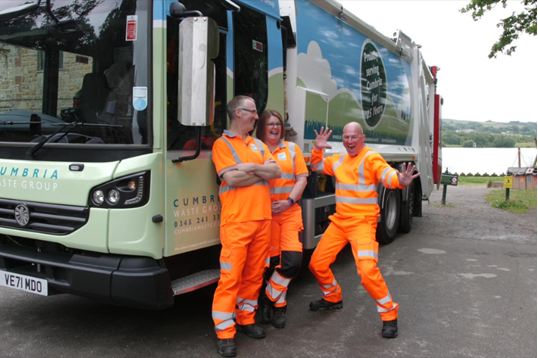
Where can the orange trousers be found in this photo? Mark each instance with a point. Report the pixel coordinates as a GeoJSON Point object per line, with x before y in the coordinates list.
{"type": "Point", "coordinates": [242, 261]}
{"type": "Point", "coordinates": [285, 254]}
{"type": "Point", "coordinates": [360, 232]}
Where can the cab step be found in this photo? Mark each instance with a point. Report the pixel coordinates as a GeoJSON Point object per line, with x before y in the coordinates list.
{"type": "Point", "coordinates": [195, 281]}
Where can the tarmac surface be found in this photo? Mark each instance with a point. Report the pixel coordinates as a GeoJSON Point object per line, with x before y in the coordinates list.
{"type": "Point", "coordinates": [465, 279]}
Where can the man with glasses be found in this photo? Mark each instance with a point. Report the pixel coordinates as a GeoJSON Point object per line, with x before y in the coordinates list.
{"type": "Point", "coordinates": [245, 165]}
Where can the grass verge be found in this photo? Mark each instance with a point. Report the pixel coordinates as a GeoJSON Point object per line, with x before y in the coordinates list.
{"type": "Point", "coordinates": [520, 200]}
{"type": "Point", "coordinates": [477, 180]}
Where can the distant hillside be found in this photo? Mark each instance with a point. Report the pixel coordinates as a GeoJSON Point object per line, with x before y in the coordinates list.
{"type": "Point", "coordinates": [457, 133]}
{"type": "Point", "coordinates": [514, 127]}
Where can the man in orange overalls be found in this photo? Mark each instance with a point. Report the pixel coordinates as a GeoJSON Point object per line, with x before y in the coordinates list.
{"type": "Point", "coordinates": [357, 174]}
{"type": "Point", "coordinates": [245, 166]}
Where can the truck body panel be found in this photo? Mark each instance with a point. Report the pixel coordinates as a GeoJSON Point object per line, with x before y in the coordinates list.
{"type": "Point", "coordinates": [105, 193]}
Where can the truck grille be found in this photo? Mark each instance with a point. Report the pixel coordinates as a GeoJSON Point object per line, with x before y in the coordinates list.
{"type": "Point", "coordinates": [46, 218]}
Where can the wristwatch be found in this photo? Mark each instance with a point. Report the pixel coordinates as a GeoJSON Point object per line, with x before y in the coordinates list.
{"type": "Point", "coordinates": [291, 201]}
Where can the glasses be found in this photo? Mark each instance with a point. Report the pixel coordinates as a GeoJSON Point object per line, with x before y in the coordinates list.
{"type": "Point", "coordinates": [273, 125]}
{"type": "Point", "coordinates": [248, 110]}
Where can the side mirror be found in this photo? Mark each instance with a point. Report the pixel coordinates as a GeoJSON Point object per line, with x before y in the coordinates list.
{"type": "Point", "coordinates": [198, 45]}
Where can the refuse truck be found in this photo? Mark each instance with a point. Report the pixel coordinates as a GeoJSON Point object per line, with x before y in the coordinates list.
{"type": "Point", "coordinates": [109, 111]}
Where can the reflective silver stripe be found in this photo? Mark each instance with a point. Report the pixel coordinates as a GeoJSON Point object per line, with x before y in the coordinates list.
{"type": "Point", "coordinates": [222, 315]}
{"type": "Point", "coordinates": [232, 149]}
{"type": "Point", "coordinates": [282, 298]}
{"type": "Point", "coordinates": [367, 253]}
{"type": "Point", "coordinates": [289, 176]}
{"type": "Point", "coordinates": [325, 293]}
{"type": "Point", "coordinates": [384, 174]}
{"type": "Point", "coordinates": [319, 167]}
{"type": "Point", "coordinates": [273, 292]}
{"type": "Point", "coordinates": [381, 309]}
{"type": "Point", "coordinates": [291, 148]}
{"type": "Point", "coordinates": [389, 180]}
{"type": "Point", "coordinates": [384, 300]}
{"type": "Point", "coordinates": [225, 188]}
{"type": "Point", "coordinates": [331, 285]}
{"type": "Point", "coordinates": [227, 169]}
{"type": "Point", "coordinates": [361, 166]}
{"type": "Point", "coordinates": [250, 302]}
{"type": "Point", "coordinates": [260, 146]}
{"type": "Point", "coordinates": [226, 266]}
{"type": "Point", "coordinates": [359, 187]}
{"type": "Point", "coordinates": [347, 200]}
{"type": "Point", "coordinates": [282, 281]}
{"type": "Point", "coordinates": [388, 172]}
{"type": "Point", "coordinates": [268, 261]}
{"type": "Point", "coordinates": [281, 189]}
{"type": "Point", "coordinates": [338, 163]}
{"type": "Point", "coordinates": [246, 307]}
{"type": "Point", "coordinates": [223, 325]}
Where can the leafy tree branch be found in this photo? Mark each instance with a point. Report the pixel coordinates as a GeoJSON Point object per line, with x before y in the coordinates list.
{"type": "Point", "coordinates": [512, 26]}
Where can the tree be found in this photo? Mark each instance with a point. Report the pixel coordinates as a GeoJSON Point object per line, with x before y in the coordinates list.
{"type": "Point", "coordinates": [512, 25]}
{"type": "Point", "coordinates": [467, 144]}
{"type": "Point", "coordinates": [504, 141]}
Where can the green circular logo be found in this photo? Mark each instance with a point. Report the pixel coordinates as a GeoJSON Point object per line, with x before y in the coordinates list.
{"type": "Point", "coordinates": [373, 85]}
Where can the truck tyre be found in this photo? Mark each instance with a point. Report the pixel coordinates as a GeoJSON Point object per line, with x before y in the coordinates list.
{"type": "Point", "coordinates": [390, 217]}
{"type": "Point", "coordinates": [408, 210]}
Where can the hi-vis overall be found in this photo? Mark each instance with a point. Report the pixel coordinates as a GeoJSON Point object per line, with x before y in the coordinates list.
{"type": "Point", "coordinates": [286, 251]}
{"type": "Point", "coordinates": [355, 222]}
{"type": "Point", "coordinates": [245, 235]}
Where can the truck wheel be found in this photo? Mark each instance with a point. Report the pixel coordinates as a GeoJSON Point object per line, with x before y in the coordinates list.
{"type": "Point", "coordinates": [390, 217]}
{"type": "Point", "coordinates": [407, 212]}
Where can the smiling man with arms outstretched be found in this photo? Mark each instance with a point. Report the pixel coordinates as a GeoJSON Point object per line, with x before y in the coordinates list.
{"type": "Point", "coordinates": [357, 174]}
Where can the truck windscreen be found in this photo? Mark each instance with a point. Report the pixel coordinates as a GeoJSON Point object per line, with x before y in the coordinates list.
{"type": "Point", "coordinates": [74, 61]}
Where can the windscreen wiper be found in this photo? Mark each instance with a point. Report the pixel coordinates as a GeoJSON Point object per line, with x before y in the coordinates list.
{"type": "Point", "coordinates": [31, 152]}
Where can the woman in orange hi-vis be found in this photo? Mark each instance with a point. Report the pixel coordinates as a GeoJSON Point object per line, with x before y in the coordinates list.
{"type": "Point", "coordinates": [286, 250]}
{"type": "Point", "coordinates": [245, 166]}
{"type": "Point", "coordinates": [357, 174]}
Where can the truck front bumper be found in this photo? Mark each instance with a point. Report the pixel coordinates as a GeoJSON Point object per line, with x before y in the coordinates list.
{"type": "Point", "coordinates": [132, 281]}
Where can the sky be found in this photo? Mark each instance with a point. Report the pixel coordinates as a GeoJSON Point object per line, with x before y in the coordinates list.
{"type": "Point", "coordinates": [473, 86]}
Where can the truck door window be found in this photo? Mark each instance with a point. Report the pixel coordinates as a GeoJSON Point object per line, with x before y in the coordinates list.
{"type": "Point", "coordinates": [85, 74]}
{"type": "Point", "coordinates": [180, 136]}
{"type": "Point", "coordinates": [250, 56]}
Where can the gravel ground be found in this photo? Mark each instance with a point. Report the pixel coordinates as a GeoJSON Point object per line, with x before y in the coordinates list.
{"type": "Point", "coordinates": [465, 279]}
{"type": "Point", "coordinates": [466, 202]}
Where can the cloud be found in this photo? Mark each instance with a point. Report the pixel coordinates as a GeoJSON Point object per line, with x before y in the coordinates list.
{"type": "Point", "coordinates": [315, 71]}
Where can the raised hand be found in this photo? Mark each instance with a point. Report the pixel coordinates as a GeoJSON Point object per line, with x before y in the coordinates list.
{"type": "Point", "coordinates": [322, 137]}
{"type": "Point", "coordinates": [406, 177]}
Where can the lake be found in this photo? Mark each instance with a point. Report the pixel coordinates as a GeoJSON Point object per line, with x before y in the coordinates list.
{"type": "Point", "coordinates": [485, 160]}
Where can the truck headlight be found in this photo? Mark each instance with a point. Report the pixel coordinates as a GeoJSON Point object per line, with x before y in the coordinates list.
{"type": "Point", "coordinates": [98, 197]}
{"type": "Point", "coordinates": [113, 196]}
{"type": "Point", "coordinates": [126, 192]}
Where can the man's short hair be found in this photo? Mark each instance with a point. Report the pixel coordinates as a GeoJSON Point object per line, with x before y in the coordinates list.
{"type": "Point", "coordinates": [235, 103]}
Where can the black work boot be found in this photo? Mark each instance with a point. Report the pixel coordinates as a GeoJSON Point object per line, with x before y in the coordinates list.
{"type": "Point", "coordinates": [322, 305]}
{"type": "Point", "coordinates": [265, 311]}
{"type": "Point", "coordinates": [251, 330]}
{"type": "Point", "coordinates": [279, 317]}
{"type": "Point", "coordinates": [390, 329]}
{"type": "Point", "coordinates": [226, 347]}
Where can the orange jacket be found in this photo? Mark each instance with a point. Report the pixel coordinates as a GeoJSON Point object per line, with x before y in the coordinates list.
{"type": "Point", "coordinates": [356, 180]}
{"type": "Point", "coordinates": [246, 203]}
{"type": "Point", "coordinates": [291, 161]}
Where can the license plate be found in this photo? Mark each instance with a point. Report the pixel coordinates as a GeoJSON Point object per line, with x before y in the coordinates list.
{"type": "Point", "coordinates": [24, 283]}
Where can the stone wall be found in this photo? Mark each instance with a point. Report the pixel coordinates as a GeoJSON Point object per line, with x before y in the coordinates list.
{"type": "Point", "coordinates": [21, 79]}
